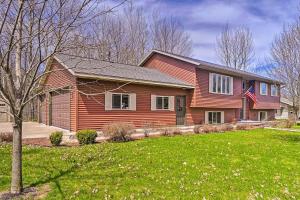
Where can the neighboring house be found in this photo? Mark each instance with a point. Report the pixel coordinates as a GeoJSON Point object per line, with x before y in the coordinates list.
{"type": "Point", "coordinates": [286, 109]}
{"type": "Point", "coordinates": [166, 89]}
{"type": "Point", "coordinates": [4, 116]}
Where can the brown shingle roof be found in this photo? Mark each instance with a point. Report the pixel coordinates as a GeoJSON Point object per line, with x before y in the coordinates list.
{"type": "Point", "coordinates": [87, 67]}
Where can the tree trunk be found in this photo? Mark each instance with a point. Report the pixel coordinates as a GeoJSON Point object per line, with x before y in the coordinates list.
{"type": "Point", "coordinates": [16, 175]}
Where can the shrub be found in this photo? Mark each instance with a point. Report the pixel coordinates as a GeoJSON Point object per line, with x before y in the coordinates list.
{"type": "Point", "coordinates": [119, 132]}
{"type": "Point", "coordinates": [171, 132]}
{"type": "Point", "coordinates": [209, 129]}
{"type": "Point", "coordinates": [243, 126]}
{"type": "Point", "coordinates": [86, 136]}
{"type": "Point", "coordinates": [227, 127]}
{"type": "Point", "coordinates": [56, 138]}
{"type": "Point", "coordinates": [288, 123]}
{"type": "Point", "coordinates": [197, 129]}
{"type": "Point", "coordinates": [6, 137]}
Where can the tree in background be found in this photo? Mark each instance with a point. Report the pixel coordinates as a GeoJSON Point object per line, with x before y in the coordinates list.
{"type": "Point", "coordinates": [31, 32]}
{"type": "Point", "coordinates": [235, 47]}
{"type": "Point", "coordinates": [127, 36]}
{"type": "Point", "coordinates": [285, 53]}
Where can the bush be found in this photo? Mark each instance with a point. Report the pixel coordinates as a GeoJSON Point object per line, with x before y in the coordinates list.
{"type": "Point", "coordinates": [56, 138]}
{"type": "Point", "coordinates": [86, 136]}
{"type": "Point", "coordinates": [119, 132]}
{"type": "Point", "coordinates": [243, 127]}
{"type": "Point", "coordinates": [288, 123]}
{"type": "Point", "coordinates": [209, 129]}
{"type": "Point", "coordinates": [171, 132]}
{"type": "Point", "coordinates": [6, 137]}
{"type": "Point", "coordinates": [197, 129]}
{"type": "Point", "coordinates": [227, 127]}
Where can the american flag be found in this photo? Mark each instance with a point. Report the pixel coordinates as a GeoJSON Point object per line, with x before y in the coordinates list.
{"type": "Point", "coordinates": [250, 93]}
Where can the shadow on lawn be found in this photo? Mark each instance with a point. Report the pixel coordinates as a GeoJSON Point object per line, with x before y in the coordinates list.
{"type": "Point", "coordinates": [61, 173]}
{"type": "Point", "coordinates": [288, 138]}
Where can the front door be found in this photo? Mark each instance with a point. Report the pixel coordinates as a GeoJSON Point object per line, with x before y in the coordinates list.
{"type": "Point", "coordinates": [180, 107]}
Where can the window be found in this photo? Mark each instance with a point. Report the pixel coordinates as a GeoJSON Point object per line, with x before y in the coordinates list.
{"type": "Point", "coordinates": [262, 116]}
{"type": "Point", "coordinates": [263, 89]}
{"type": "Point", "coordinates": [214, 117]}
{"type": "Point", "coordinates": [244, 85]}
{"type": "Point", "coordinates": [220, 84]}
{"type": "Point", "coordinates": [120, 101]}
{"type": "Point", "coordinates": [274, 90]}
{"type": "Point", "coordinates": [162, 103]}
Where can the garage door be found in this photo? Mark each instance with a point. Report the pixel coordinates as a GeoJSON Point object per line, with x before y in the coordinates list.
{"type": "Point", "coordinates": [60, 109]}
{"type": "Point", "coordinates": [4, 117]}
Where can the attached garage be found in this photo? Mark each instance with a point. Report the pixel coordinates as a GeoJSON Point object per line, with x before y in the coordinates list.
{"type": "Point", "coordinates": [59, 109]}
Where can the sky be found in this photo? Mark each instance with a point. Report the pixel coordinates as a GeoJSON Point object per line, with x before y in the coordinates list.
{"type": "Point", "coordinates": [205, 19]}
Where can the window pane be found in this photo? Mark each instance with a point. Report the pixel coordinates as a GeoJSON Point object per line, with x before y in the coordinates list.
{"type": "Point", "coordinates": [166, 102]}
{"type": "Point", "coordinates": [214, 83]}
{"type": "Point", "coordinates": [228, 85]}
{"type": "Point", "coordinates": [263, 88]}
{"type": "Point", "coordinates": [224, 84]}
{"type": "Point", "coordinates": [116, 101]}
{"type": "Point", "coordinates": [210, 118]}
{"type": "Point", "coordinates": [219, 84]}
{"type": "Point", "coordinates": [219, 117]}
{"type": "Point", "coordinates": [159, 103]}
{"type": "Point", "coordinates": [214, 117]}
{"type": "Point", "coordinates": [125, 101]}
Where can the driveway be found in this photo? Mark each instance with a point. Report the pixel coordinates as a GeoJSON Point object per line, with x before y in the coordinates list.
{"type": "Point", "coordinates": [32, 129]}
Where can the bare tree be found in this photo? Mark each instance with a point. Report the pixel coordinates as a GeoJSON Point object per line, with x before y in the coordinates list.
{"type": "Point", "coordinates": [285, 53]}
{"type": "Point", "coordinates": [128, 36]}
{"type": "Point", "coordinates": [235, 47]}
{"type": "Point", "coordinates": [31, 32]}
{"type": "Point", "coordinates": [168, 35]}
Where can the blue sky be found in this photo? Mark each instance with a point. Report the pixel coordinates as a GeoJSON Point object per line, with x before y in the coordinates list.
{"type": "Point", "coordinates": [205, 19]}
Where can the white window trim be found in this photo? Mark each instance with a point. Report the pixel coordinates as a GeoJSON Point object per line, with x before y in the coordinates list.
{"type": "Point", "coordinates": [206, 116]}
{"type": "Point", "coordinates": [260, 89]}
{"type": "Point", "coordinates": [261, 112]}
{"type": "Point", "coordinates": [217, 79]}
{"type": "Point", "coordinates": [108, 101]}
{"type": "Point", "coordinates": [276, 89]}
{"type": "Point", "coordinates": [153, 103]}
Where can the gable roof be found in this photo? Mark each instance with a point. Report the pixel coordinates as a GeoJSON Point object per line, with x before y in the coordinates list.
{"type": "Point", "coordinates": [99, 69]}
{"type": "Point", "coordinates": [211, 66]}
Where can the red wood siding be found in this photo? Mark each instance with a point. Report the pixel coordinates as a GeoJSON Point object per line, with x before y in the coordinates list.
{"type": "Point", "coordinates": [202, 97]}
{"type": "Point", "coordinates": [61, 77]}
{"type": "Point", "coordinates": [266, 102]}
{"type": "Point", "coordinates": [253, 114]}
{"type": "Point", "coordinates": [197, 115]}
{"type": "Point", "coordinates": [92, 113]}
{"type": "Point", "coordinates": [176, 68]}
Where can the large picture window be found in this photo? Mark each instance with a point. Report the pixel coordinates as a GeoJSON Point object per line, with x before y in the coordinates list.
{"type": "Point", "coordinates": [263, 89]}
{"type": "Point", "coordinates": [162, 103]}
{"type": "Point", "coordinates": [274, 90]}
{"type": "Point", "coordinates": [220, 84]}
{"type": "Point", "coordinates": [120, 101]}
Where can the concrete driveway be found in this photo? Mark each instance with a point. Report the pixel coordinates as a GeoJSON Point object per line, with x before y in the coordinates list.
{"type": "Point", "coordinates": [32, 129]}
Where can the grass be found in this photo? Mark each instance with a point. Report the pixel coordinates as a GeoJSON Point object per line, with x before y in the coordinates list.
{"type": "Point", "coordinates": [257, 164]}
{"type": "Point", "coordinates": [296, 126]}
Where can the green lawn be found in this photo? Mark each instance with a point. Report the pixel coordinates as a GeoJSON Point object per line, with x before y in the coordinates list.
{"type": "Point", "coordinates": [257, 164]}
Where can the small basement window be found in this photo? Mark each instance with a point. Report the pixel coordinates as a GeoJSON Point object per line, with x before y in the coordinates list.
{"type": "Point", "coordinates": [214, 117]}
{"type": "Point", "coordinates": [120, 101]}
{"type": "Point", "coordinates": [162, 103]}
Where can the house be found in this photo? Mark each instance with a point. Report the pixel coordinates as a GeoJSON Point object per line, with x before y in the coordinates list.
{"type": "Point", "coordinates": [4, 109]}
{"type": "Point", "coordinates": [165, 89]}
{"type": "Point", "coordinates": [286, 110]}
